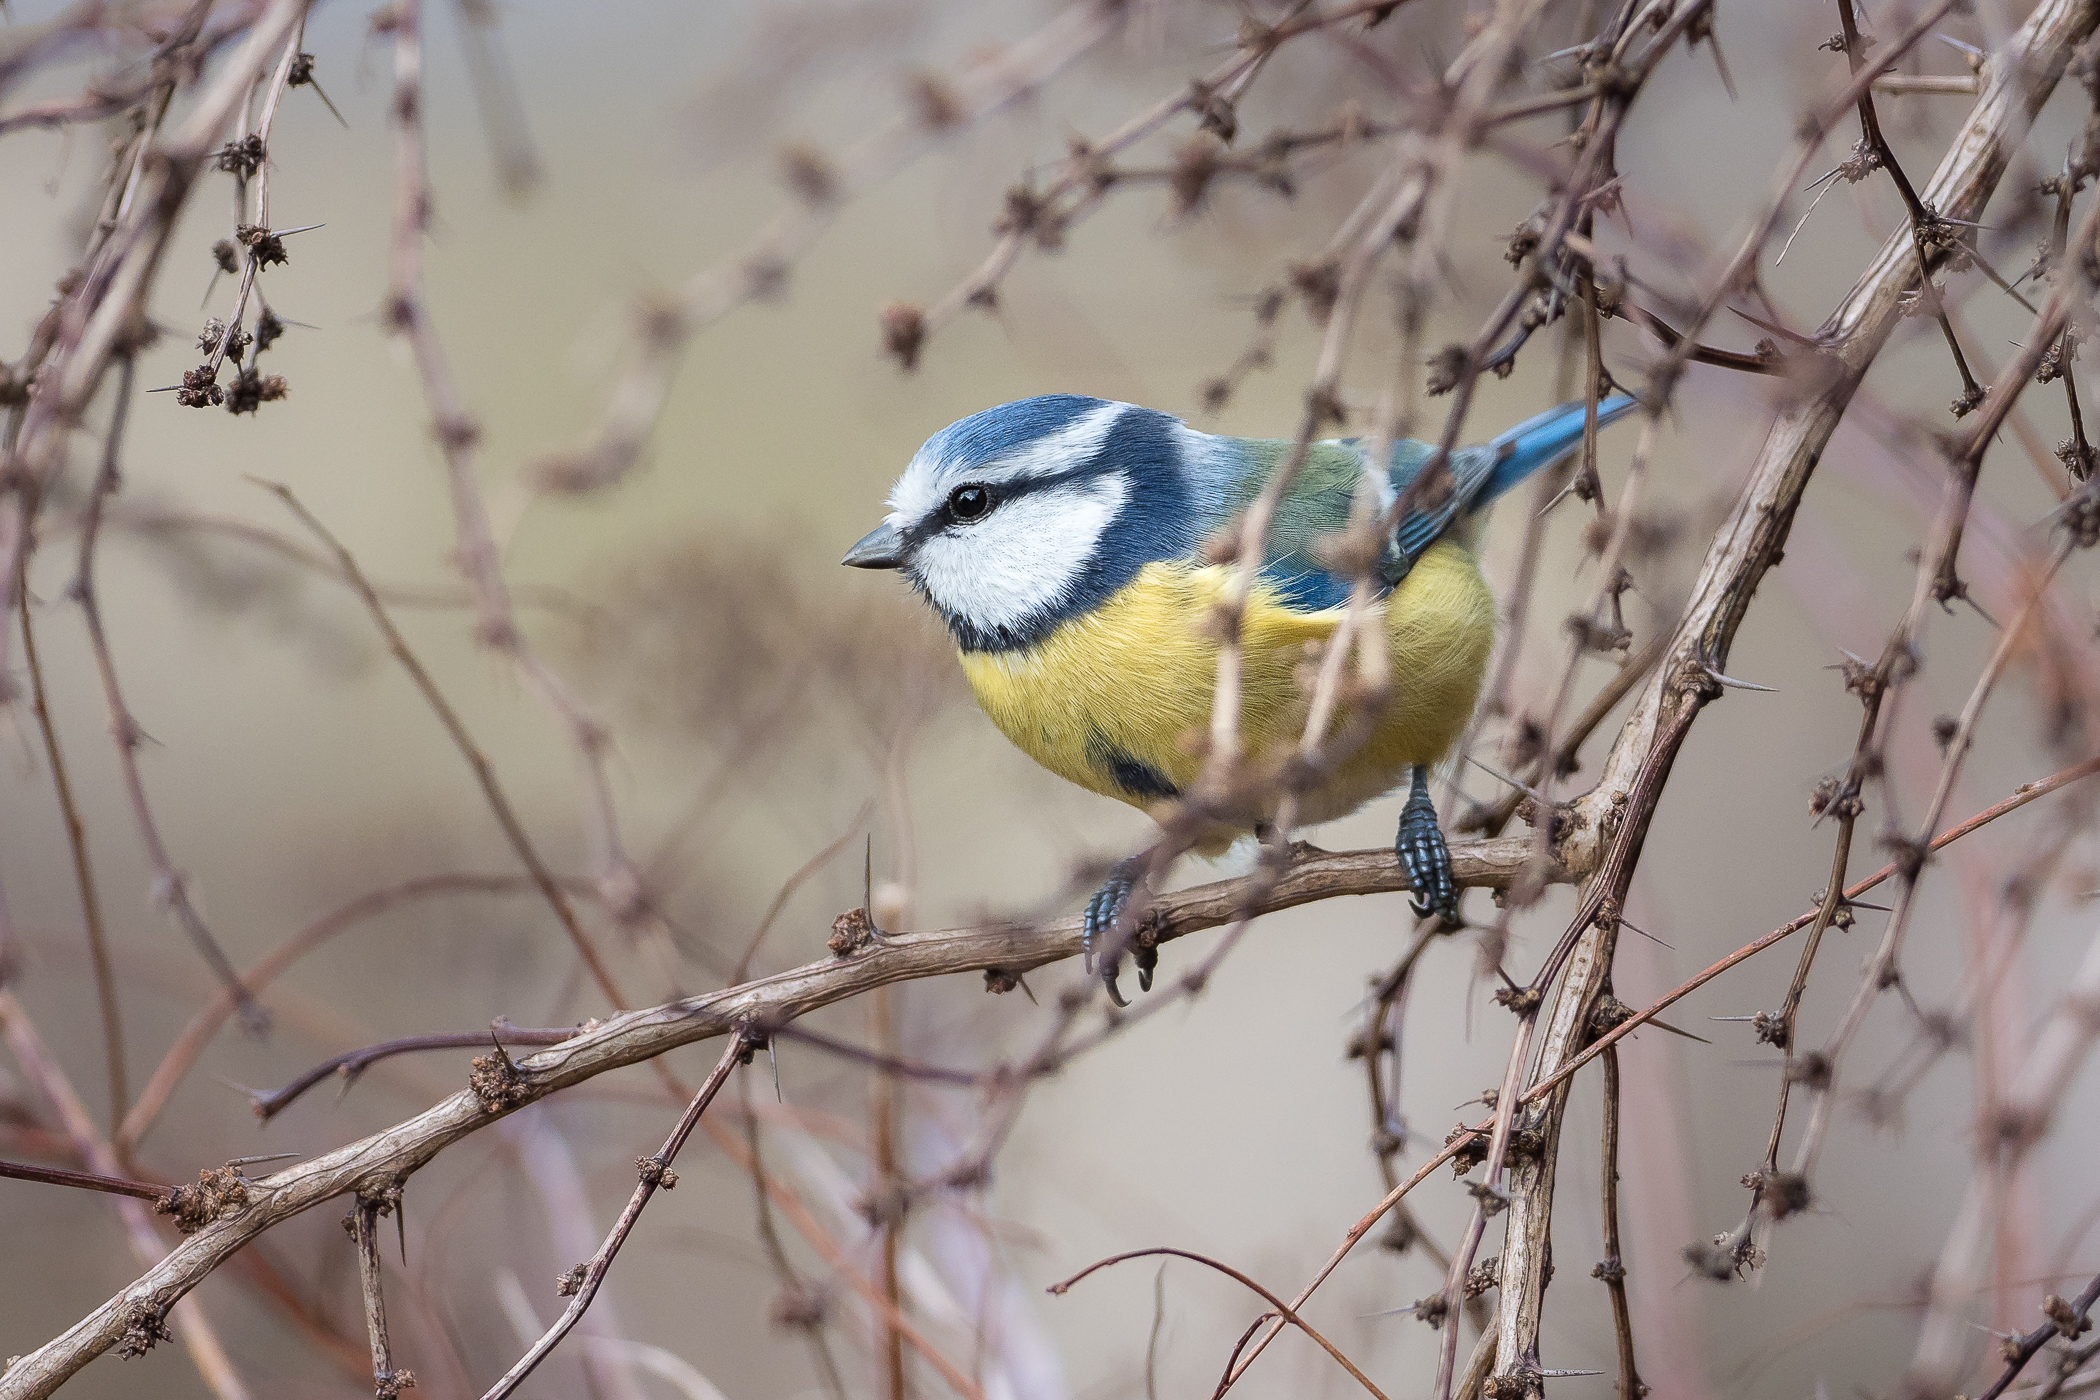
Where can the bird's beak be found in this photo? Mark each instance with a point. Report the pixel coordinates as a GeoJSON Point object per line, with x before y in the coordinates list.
{"type": "Point", "coordinates": [881, 548]}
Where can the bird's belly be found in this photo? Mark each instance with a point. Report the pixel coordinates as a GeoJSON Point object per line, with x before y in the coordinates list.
{"type": "Point", "coordinates": [1118, 700]}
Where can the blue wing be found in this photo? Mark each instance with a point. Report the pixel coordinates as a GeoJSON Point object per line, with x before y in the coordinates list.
{"type": "Point", "coordinates": [1480, 474]}
{"type": "Point", "coordinates": [1319, 502]}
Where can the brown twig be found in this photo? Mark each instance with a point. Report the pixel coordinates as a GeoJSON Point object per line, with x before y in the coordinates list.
{"type": "Point", "coordinates": [259, 240]}
{"type": "Point", "coordinates": [1924, 222]}
{"type": "Point", "coordinates": [655, 1172]}
{"type": "Point", "coordinates": [83, 875]}
{"type": "Point", "coordinates": [2070, 1323]}
{"type": "Point", "coordinates": [182, 1055]}
{"type": "Point", "coordinates": [101, 316]}
{"type": "Point", "coordinates": [145, 1322]}
{"type": "Point", "coordinates": [387, 1380]}
{"type": "Point", "coordinates": [1460, 1140]}
{"type": "Point", "coordinates": [1282, 1309]}
{"type": "Point", "coordinates": [455, 728]}
{"type": "Point", "coordinates": [1613, 1269]}
{"type": "Point", "coordinates": [798, 1305]}
{"type": "Point", "coordinates": [170, 886]}
{"type": "Point", "coordinates": [2027, 793]}
{"type": "Point", "coordinates": [85, 1181]}
{"type": "Point", "coordinates": [268, 1103]}
{"type": "Point", "coordinates": [664, 325]}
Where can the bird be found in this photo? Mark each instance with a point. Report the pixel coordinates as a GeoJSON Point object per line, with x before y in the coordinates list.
{"type": "Point", "coordinates": [1068, 544]}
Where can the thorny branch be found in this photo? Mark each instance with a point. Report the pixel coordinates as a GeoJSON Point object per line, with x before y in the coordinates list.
{"type": "Point", "coordinates": [171, 887]}
{"type": "Point", "coordinates": [1567, 1013]}
{"type": "Point", "coordinates": [582, 1283]}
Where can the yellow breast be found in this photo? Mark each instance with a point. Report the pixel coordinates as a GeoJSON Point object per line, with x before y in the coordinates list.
{"type": "Point", "coordinates": [1112, 700]}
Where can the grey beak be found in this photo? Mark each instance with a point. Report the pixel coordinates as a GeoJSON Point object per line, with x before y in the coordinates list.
{"type": "Point", "coordinates": [881, 548]}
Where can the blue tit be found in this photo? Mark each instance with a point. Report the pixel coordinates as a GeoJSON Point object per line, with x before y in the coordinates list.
{"type": "Point", "coordinates": [1062, 540]}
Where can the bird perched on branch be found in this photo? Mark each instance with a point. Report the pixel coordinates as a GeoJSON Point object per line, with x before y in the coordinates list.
{"type": "Point", "coordinates": [1079, 552]}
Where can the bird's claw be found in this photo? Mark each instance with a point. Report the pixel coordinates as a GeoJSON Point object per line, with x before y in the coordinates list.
{"type": "Point", "coordinates": [1098, 925]}
{"type": "Point", "coordinates": [1425, 855]}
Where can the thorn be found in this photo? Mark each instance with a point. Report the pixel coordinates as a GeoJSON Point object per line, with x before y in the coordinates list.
{"type": "Point", "coordinates": [1531, 792]}
{"type": "Point", "coordinates": [1558, 497]}
{"type": "Point", "coordinates": [309, 228]}
{"type": "Point", "coordinates": [265, 1157]}
{"type": "Point", "coordinates": [774, 1060]}
{"type": "Point", "coordinates": [1570, 1373]}
{"type": "Point", "coordinates": [253, 1095]}
{"type": "Point", "coordinates": [1956, 43]}
{"type": "Point", "coordinates": [1980, 612]}
{"type": "Point", "coordinates": [1731, 1018]}
{"type": "Point", "coordinates": [1713, 41]}
{"type": "Point", "coordinates": [1731, 681]}
{"type": "Point", "coordinates": [1028, 989]}
{"type": "Point", "coordinates": [331, 106]}
{"type": "Point", "coordinates": [1673, 1030]}
{"type": "Point", "coordinates": [867, 883]}
{"type": "Point", "coordinates": [1645, 934]}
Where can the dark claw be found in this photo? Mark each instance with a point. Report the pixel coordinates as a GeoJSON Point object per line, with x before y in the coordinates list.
{"type": "Point", "coordinates": [1424, 855]}
{"type": "Point", "coordinates": [1099, 924]}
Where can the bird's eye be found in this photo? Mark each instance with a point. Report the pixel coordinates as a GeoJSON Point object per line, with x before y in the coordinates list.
{"type": "Point", "coordinates": [967, 503]}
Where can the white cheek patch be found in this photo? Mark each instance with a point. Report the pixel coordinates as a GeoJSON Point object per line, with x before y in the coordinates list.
{"type": "Point", "coordinates": [1025, 558]}
{"type": "Point", "coordinates": [928, 480]}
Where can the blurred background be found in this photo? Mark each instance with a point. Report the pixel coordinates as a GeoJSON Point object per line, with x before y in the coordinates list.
{"type": "Point", "coordinates": [762, 701]}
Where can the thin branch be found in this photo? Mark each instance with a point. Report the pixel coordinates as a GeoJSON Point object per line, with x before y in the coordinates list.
{"type": "Point", "coordinates": [170, 886]}
{"type": "Point", "coordinates": [2070, 1323]}
{"type": "Point", "coordinates": [654, 1172]}
{"type": "Point", "coordinates": [85, 1181]}
{"type": "Point", "coordinates": [1613, 1269]}
{"type": "Point", "coordinates": [637, 1036]}
{"type": "Point", "coordinates": [387, 1381]}
{"type": "Point", "coordinates": [455, 728]}
{"type": "Point", "coordinates": [144, 1322]}
{"type": "Point", "coordinates": [352, 1063]}
{"type": "Point", "coordinates": [182, 1055]}
{"type": "Point", "coordinates": [1282, 1309]}
{"type": "Point", "coordinates": [1461, 1140]}
{"type": "Point", "coordinates": [2023, 795]}
{"type": "Point", "coordinates": [83, 873]}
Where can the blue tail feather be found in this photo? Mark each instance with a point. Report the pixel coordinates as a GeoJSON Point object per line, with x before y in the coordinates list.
{"type": "Point", "coordinates": [1542, 440]}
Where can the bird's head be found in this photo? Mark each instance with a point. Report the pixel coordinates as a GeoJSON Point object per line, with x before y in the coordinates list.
{"type": "Point", "coordinates": [1021, 516]}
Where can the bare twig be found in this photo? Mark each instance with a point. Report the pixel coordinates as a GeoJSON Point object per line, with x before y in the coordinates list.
{"type": "Point", "coordinates": [144, 1322]}
{"type": "Point", "coordinates": [1282, 1309]}
{"type": "Point", "coordinates": [387, 1380]}
{"type": "Point", "coordinates": [85, 1181]}
{"type": "Point", "coordinates": [2025, 794]}
{"type": "Point", "coordinates": [1613, 1268]}
{"type": "Point", "coordinates": [655, 1171]}
{"type": "Point", "coordinates": [83, 875]}
{"type": "Point", "coordinates": [170, 885]}
{"type": "Point", "coordinates": [455, 728]}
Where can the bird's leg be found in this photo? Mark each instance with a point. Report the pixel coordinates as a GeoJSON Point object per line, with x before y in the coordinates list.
{"type": "Point", "coordinates": [1098, 926]}
{"type": "Point", "coordinates": [1424, 855]}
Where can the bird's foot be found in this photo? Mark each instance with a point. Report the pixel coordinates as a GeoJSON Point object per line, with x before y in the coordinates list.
{"type": "Point", "coordinates": [1098, 926]}
{"type": "Point", "coordinates": [1425, 855]}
